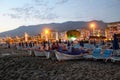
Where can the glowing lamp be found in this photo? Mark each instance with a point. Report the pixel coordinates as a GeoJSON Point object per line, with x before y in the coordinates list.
{"type": "Point", "coordinates": [92, 25]}
{"type": "Point", "coordinates": [98, 35]}
{"type": "Point", "coordinates": [46, 31]}
{"type": "Point", "coordinates": [73, 38]}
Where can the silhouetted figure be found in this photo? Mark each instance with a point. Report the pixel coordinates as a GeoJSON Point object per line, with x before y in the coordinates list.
{"type": "Point", "coordinates": [26, 44]}
{"type": "Point", "coordinates": [81, 43]}
{"type": "Point", "coordinates": [30, 44]}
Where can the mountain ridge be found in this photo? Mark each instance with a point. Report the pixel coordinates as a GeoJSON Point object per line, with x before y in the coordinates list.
{"type": "Point", "coordinates": [36, 29]}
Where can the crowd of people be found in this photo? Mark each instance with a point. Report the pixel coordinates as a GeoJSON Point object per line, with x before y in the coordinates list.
{"type": "Point", "coordinates": [69, 47]}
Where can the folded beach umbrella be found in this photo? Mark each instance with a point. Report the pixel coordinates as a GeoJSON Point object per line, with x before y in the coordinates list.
{"type": "Point", "coordinates": [94, 43]}
{"type": "Point", "coordinates": [115, 42]}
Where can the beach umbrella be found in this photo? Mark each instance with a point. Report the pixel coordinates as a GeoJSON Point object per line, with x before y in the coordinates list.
{"type": "Point", "coordinates": [115, 42]}
{"type": "Point", "coordinates": [60, 41]}
{"type": "Point", "coordinates": [68, 43]}
{"type": "Point", "coordinates": [94, 43]}
{"type": "Point", "coordinates": [103, 43]}
{"type": "Point", "coordinates": [81, 43]}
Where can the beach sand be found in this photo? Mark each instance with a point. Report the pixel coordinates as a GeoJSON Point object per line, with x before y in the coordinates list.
{"type": "Point", "coordinates": [20, 66]}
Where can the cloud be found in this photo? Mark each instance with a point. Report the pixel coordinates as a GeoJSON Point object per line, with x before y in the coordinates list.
{"type": "Point", "coordinates": [40, 2]}
{"type": "Point", "coordinates": [38, 12]}
{"type": "Point", "coordinates": [39, 9]}
{"type": "Point", "coordinates": [12, 15]}
{"type": "Point", "coordinates": [62, 1]}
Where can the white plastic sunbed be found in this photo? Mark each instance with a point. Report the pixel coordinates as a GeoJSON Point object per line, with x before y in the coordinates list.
{"type": "Point", "coordinates": [39, 53]}
{"type": "Point", "coordinates": [115, 58]}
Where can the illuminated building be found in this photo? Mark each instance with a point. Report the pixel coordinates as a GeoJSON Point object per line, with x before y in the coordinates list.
{"type": "Point", "coordinates": [112, 28]}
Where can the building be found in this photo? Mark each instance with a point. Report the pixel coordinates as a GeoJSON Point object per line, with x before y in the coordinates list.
{"type": "Point", "coordinates": [84, 34]}
{"type": "Point", "coordinates": [63, 35]}
{"type": "Point", "coordinates": [50, 35]}
{"type": "Point", "coordinates": [112, 28]}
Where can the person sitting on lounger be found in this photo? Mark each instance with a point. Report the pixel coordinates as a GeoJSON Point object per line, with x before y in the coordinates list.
{"type": "Point", "coordinates": [55, 46]}
{"type": "Point", "coordinates": [41, 48]}
{"type": "Point", "coordinates": [47, 47]}
{"type": "Point", "coordinates": [64, 46]}
{"type": "Point", "coordinates": [77, 49]}
{"type": "Point", "coordinates": [84, 50]}
{"type": "Point", "coordinates": [76, 45]}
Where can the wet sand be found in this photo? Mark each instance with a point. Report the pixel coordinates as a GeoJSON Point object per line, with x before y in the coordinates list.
{"type": "Point", "coordinates": [20, 66]}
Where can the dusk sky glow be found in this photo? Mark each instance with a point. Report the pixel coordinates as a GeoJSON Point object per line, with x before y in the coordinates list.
{"type": "Point", "coordinates": [15, 13]}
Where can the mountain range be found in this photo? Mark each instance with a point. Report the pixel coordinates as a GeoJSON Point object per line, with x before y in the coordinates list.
{"type": "Point", "coordinates": [37, 29]}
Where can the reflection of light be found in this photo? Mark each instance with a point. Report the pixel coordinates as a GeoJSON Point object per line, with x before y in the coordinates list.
{"type": "Point", "coordinates": [73, 38]}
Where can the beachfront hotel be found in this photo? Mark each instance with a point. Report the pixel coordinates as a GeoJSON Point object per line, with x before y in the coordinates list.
{"type": "Point", "coordinates": [112, 28]}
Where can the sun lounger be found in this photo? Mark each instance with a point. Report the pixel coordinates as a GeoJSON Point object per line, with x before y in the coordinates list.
{"type": "Point", "coordinates": [18, 47]}
{"type": "Point", "coordinates": [89, 47]}
{"type": "Point", "coordinates": [39, 53]}
{"type": "Point", "coordinates": [97, 54]}
{"type": "Point", "coordinates": [107, 54]}
{"type": "Point", "coordinates": [115, 58]}
{"type": "Point", "coordinates": [47, 54]}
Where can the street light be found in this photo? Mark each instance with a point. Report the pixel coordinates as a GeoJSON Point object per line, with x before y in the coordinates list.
{"type": "Point", "coordinates": [92, 25]}
{"type": "Point", "coordinates": [46, 31]}
{"type": "Point", "coordinates": [26, 37]}
{"type": "Point", "coordinates": [46, 34]}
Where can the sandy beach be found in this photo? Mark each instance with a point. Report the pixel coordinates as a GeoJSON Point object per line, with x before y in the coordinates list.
{"type": "Point", "coordinates": [20, 66]}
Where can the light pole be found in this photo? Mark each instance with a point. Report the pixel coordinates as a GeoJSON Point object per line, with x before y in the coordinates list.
{"type": "Point", "coordinates": [26, 37]}
{"type": "Point", "coordinates": [46, 34]}
{"type": "Point", "coordinates": [92, 25]}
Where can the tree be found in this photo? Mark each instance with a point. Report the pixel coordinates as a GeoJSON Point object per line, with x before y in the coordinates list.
{"type": "Point", "coordinates": [73, 33]}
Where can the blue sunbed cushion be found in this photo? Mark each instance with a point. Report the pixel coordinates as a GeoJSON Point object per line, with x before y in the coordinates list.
{"type": "Point", "coordinates": [96, 52]}
{"type": "Point", "coordinates": [107, 53]}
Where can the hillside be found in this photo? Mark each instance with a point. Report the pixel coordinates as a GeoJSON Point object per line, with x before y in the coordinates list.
{"type": "Point", "coordinates": [36, 29]}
